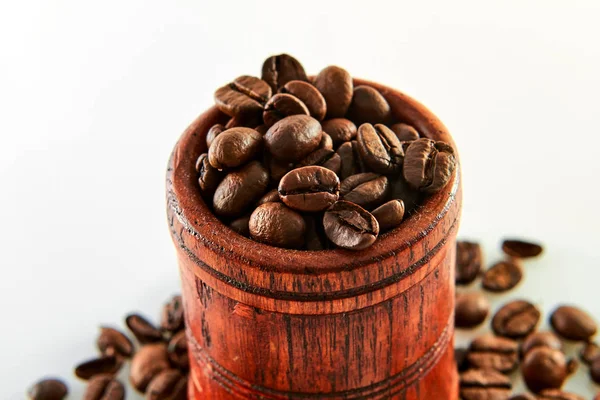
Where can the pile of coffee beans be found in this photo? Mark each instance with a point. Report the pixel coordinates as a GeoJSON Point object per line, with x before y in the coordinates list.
{"type": "Point", "coordinates": [159, 362]}
{"type": "Point", "coordinates": [485, 366]}
{"type": "Point", "coordinates": [313, 164]}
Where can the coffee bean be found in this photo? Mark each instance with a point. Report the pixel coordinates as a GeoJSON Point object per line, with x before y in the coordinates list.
{"type": "Point", "coordinates": [148, 362]}
{"type": "Point", "coordinates": [557, 394]}
{"type": "Point", "coordinates": [326, 142]}
{"type": "Point", "coordinates": [523, 396]}
{"type": "Point", "coordinates": [262, 129]}
{"type": "Point", "coordinates": [321, 157]}
{"type": "Point", "coordinates": [348, 166]}
{"type": "Point", "coordinates": [113, 342]}
{"type": "Point", "coordinates": [379, 148]}
{"type": "Point", "coordinates": [541, 339]}
{"type": "Point", "coordinates": [309, 189]}
{"type": "Point", "coordinates": [516, 319]}
{"type": "Point", "coordinates": [168, 385]}
{"type": "Point", "coordinates": [460, 355]}
{"type": "Point", "coordinates": [470, 309]}
{"type": "Point", "coordinates": [272, 196]}
{"type": "Point", "coordinates": [544, 368]}
{"type": "Point", "coordinates": [293, 138]}
{"type": "Point", "coordinates": [234, 147]}
{"type": "Point", "coordinates": [389, 215]}
{"type": "Point", "coordinates": [428, 165]}
{"type": "Point", "coordinates": [281, 69]}
{"type": "Point", "coordinates": [309, 95]}
{"type": "Point", "coordinates": [315, 238]}
{"type": "Point", "coordinates": [240, 189]}
{"type": "Point", "coordinates": [595, 370]}
{"type": "Point", "coordinates": [521, 249]}
{"type": "Point", "coordinates": [368, 105]}
{"type": "Point", "coordinates": [104, 387]}
{"type": "Point", "coordinates": [468, 262]}
{"type": "Point", "coordinates": [360, 164]}
{"type": "Point", "coordinates": [277, 169]}
{"type": "Point", "coordinates": [350, 226]}
{"type": "Point", "coordinates": [246, 95]}
{"type": "Point", "coordinates": [244, 121]}
{"type": "Point", "coordinates": [213, 132]}
{"type": "Point", "coordinates": [502, 276]}
{"type": "Point", "coordinates": [340, 129]}
{"type": "Point", "coordinates": [283, 105]}
{"type": "Point", "coordinates": [335, 84]}
{"type": "Point", "coordinates": [401, 190]}
{"type": "Point", "coordinates": [589, 352]}
{"type": "Point", "coordinates": [178, 351]}
{"type": "Point", "coordinates": [48, 389]}
{"type": "Point", "coordinates": [405, 132]}
{"type": "Point", "coordinates": [98, 366]}
{"type": "Point", "coordinates": [142, 329]}
{"type": "Point", "coordinates": [277, 225]}
{"type": "Point", "coordinates": [208, 176]}
{"type": "Point", "coordinates": [493, 352]}
{"type": "Point", "coordinates": [172, 315]}
{"type": "Point", "coordinates": [572, 366]}
{"type": "Point", "coordinates": [368, 190]}
{"type": "Point", "coordinates": [240, 225]}
{"type": "Point", "coordinates": [573, 323]}
{"type": "Point", "coordinates": [484, 384]}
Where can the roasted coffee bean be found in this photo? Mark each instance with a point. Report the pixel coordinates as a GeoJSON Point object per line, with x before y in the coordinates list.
{"type": "Point", "coordinates": [521, 249]}
{"type": "Point", "coordinates": [595, 370]}
{"type": "Point", "coordinates": [240, 189]}
{"type": "Point", "coordinates": [389, 215]}
{"type": "Point", "coordinates": [293, 138]}
{"type": "Point", "coordinates": [309, 95]}
{"type": "Point", "coordinates": [277, 169]}
{"type": "Point", "coordinates": [541, 339]}
{"type": "Point", "coordinates": [315, 238]}
{"type": "Point", "coordinates": [523, 396]}
{"type": "Point", "coordinates": [544, 368]}
{"type": "Point", "coordinates": [277, 225]}
{"type": "Point", "coordinates": [208, 176]}
{"type": "Point", "coordinates": [324, 158]}
{"type": "Point", "coordinates": [494, 352]}
{"type": "Point", "coordinates": [360, 164]}
{"type": "Point", "coordinates": [348, 166]}
{"type": "Point", "coordinates": [460, 355]}
{"type": "Point", "coordinates": [234, 147]}
{"type": "Point", "coordinates": [368, 190]}
{"type": "Point", "coordinates": [143, 330]}
{"type": "Point", "coordinates": [573, 323]}
{"type": "Point", "coordinates": [113, 342]}
{"type": "Point", "coordinates": [502, 276]}
{"type": "Point", "coordinates": [557, 394]}
{"type": "Point", "coordinates": [148, 362]}
{"type": "Point", "coordinates": [470, 309]}
{"type": "Point", "coordinates": [309, 189]}
{"type": "Point", "coordinates": [213, 132]}
{"type": "Point", "coordinates": [350, 226]}
{"type": "Point", "coordinates": [484, 384]}
{"type": "Point", "coordinates": [401, 190]}
{"type": "Point", "coordinates": [178, 351]}
{"type": "Point", "coordinates": [272, 196]}
{"type": "Point", "coordinates": [405, 132]}
{"type": "Point", "coordinates": [516, 319]}
{"type": "Point", "coordinates": [341, 130]}
{"type": "Point", "coordinates": [98, 366]}
{"type": "Point", "coordinates": [262, 129]}
{"type": "Point", "coordinates": [468, 262]}
{"type": "Point", "coordinates": [379, 148]}
{"type": "Point", "coordinates": [368, 105]}
{"type": "Point", "coordinates": [281, 69]}
{"type": "Point", "coordinates": [170, 384]}
{"type": "Point", "coordinates": [335, 84]}
{"type": "Point", "coordinates": [326, 142]}
{"type": "Point", "coordinates": [572, 366]}
{"type": "Point", "coordinates": [172, 315]}
{"type": "Point", "coordinates": [240, 225]}
{"type": "Point", "coordinates": [246, 95]}
{"type": "Point", "coordinates": [428, 165]}
{"type": "Point", "coordinates": [589, 352]}
{"type": "Point", "coordinates": [48, 389]}
{"type": "Point", "coordinates": [283, 105]}
{"type": "Point", "coordinates": [244, 121]}
{"type": "Point", "coordinates": [104, 387]}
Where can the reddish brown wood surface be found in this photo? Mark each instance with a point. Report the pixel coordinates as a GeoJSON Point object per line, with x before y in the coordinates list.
{"type": "Point", "coordinates": [270, 323]}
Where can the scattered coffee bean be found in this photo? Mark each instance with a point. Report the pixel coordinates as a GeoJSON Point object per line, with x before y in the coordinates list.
{"type": "Point", "coordinates": [484, 384]}
{"type": "Point", "coordinates": [341, 130]}
{"type": "Point", "coordinates": [213, 132]}
{"type": "Point", "coordinates": [240, 189]}
{"type": "Point", "coordinates": [112, 342]}
{"type": "Point", "coordinates": [272, 196]}
{"type": "Point", "coordinates": [178, 351]}
{"type": "Point", "coordinates": [516, 319]}
{"type": "Point", "coordinates": [281, 69]}
{"type": "Point", "coordinates": [521, 249]}
{"type": "Point", "coordinates": [350, 226]}
{"type": "Point", "coordinates": [293, 138]}
{"type": "Point", "coordinates": [208, 176]}
{"type": "Point", "coordinates": [468, 262]}
{"type": "Point", "coordinates": [544, 368]}
{"type": "Point", "coordinates": [172, 315]}
{"type": "Point", "coordinates": [541, 339]}
{"type": "Point", "coordinates": [277, 169]}
{"type": "Point", "coordinates": [148, 362]}
{"type": "Point", "coordinates": [309, 189]}
{"type": "Point", "coordinates": [405, 132]}
{"type": "Point", "coordinates": [589, 352]}
{"type": "Point", "coordinates": [595, 370]}
{"type": "Point", "coordinates": [324, 158]}
{"type": "Point", "coordinates": [348, 166]}
{"type": "Point", "coordinates": [169, 384]}
{"type": "Point", "coordinates": [277, 225]}
{"type": "Point", "coordinates": [557, 394]}
{"type": "Point", "coordinates": [368, 190]}
{"type": "Point", "coordinates": [98, 366]}
{"type": "Point", "coordinates": [326, 142]}
{"type": "Point", "coordinates": [493, 352]}
{"type": "Point", "coordinates": [240, 225]}
{"type": "Point", "coordinates": [401, 190]}
{"type": "Point", "coordinates": [246, 95]}
{"type": "Point", "coordinates": [283, 105]}
{"type": "Point", "coordinates": [234, 147]}
{"type": "Point", "coordinates": [309, 95]}
{"type": "Point", "coordinates": [470, 309]}
{"type": "Point", "coordinates": [104, 387]}
{"type": "Point", "coordinates": [335, 84]}
{"type": "Point", "coordinates": [368, 105]}
{"type": "Point", "coordinates": [523, 396]}
{"type": "Point", "coordinates": [573, 323]}
{"type": "Point", "coordinates": [360, 164]}
{"type": "Point", "coordinates": [502, 276]}
{"type": "Point", "coordinates": [142, 329]}
{"type": "Point", "coordinates": [428, 165]}
{"type": "Point", "coordinates": [389, 215]}
{"type": "Point", "coordinates": [48, 389]}
{"type": "Point", "coordinates": [379, 148]}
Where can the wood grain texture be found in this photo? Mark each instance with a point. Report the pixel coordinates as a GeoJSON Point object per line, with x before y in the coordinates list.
{"type": "Point", "coordinates": [270, 323]}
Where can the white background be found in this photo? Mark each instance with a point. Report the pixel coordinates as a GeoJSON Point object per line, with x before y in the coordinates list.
{"type": "Point", "coordinates": [94, 94]}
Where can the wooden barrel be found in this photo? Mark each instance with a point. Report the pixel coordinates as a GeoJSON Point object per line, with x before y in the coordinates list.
{"type": "Point", "coordinates": [271, 323]}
